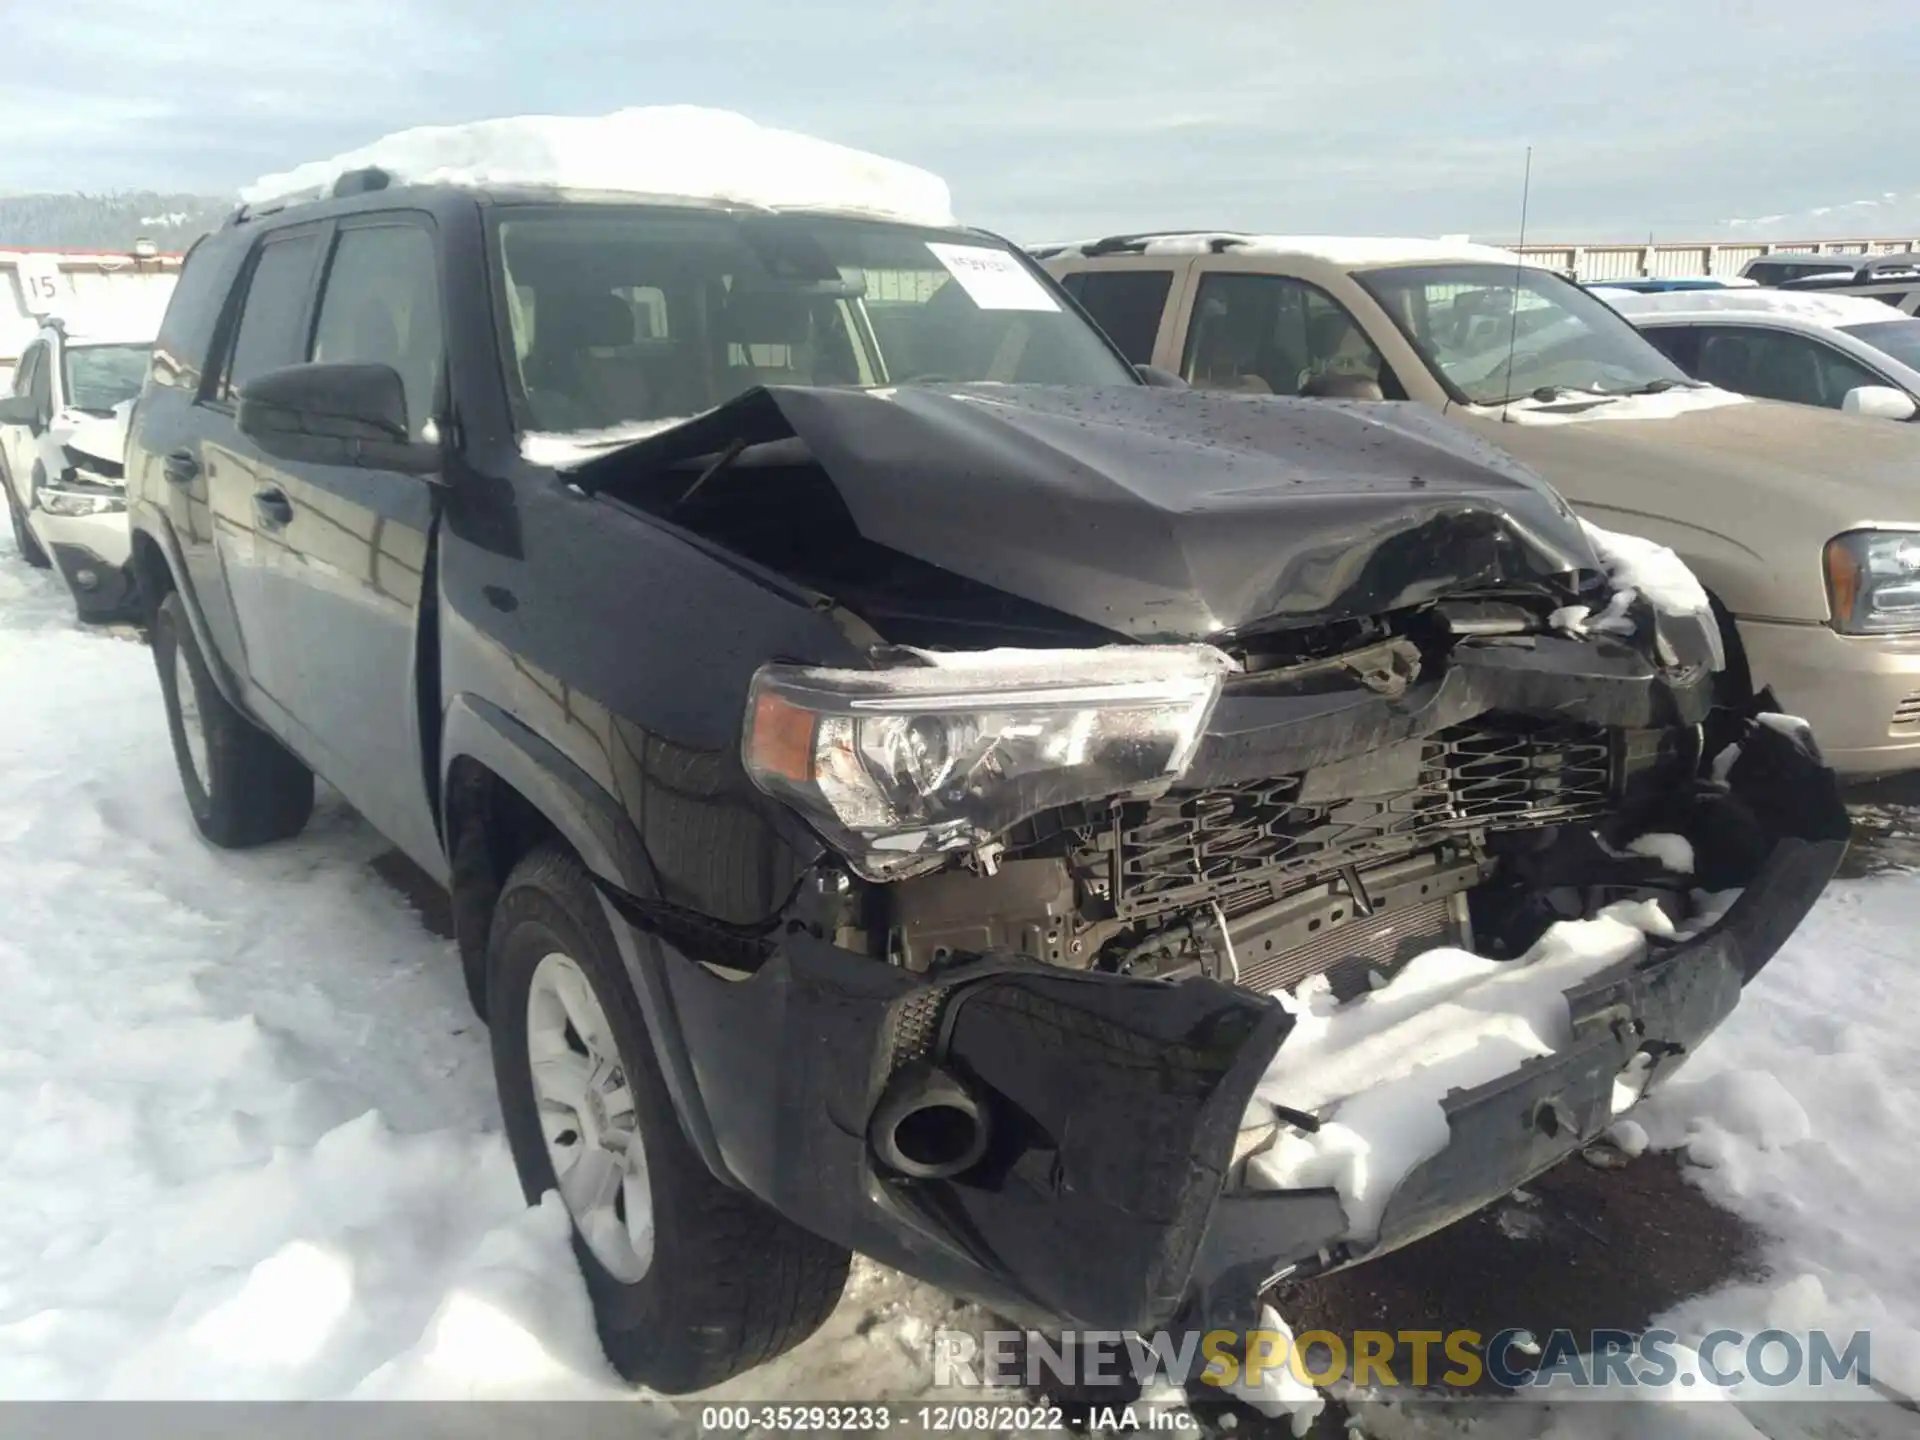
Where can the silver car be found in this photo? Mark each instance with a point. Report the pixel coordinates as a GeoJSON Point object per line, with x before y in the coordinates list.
{"type": "Point", "coordinates": [1843, 352]}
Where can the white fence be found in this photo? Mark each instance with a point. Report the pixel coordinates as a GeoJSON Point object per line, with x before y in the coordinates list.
{"type": "Point", "coordinates": [1673, 260]}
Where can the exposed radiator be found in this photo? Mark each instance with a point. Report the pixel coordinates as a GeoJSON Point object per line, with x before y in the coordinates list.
{"type": "Point", "coordinates": [1349, 952]}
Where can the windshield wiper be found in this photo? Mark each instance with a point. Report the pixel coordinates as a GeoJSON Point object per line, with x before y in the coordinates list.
{"type": "Point", "coordinates": [1547, 394]}
{"type": "Point", "coordinates": [1660, 387]}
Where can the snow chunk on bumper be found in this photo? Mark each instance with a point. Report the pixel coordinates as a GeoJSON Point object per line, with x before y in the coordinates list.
{"type": "Point", "coordinates": [666, 151]}
{"type": "Point", "coordinates": [1640, 569]}
{"type": "Point", "coordinates": [1378, 1069]}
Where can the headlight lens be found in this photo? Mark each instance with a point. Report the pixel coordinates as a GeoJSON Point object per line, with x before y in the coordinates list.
{"type": "Point", "coordinates": [899, 768]}
{"type": "Point", "coordinates": [1873, 581]}
{"type": "Point", "coordinates": [77, 502]}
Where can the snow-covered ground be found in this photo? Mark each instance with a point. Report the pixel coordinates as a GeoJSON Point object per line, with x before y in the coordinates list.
{"type": "Point", "coordinates": [248, 1138]}
{"type": "Point", "coordinates": [250, 1146]}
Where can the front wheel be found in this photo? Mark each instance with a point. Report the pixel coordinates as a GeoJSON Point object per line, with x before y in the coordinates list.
{"type": "Point", "coordinates": [692, 1282]}
{"type": "Point", "coordinates": [243, 787]}
{"type": "Point", "coordinates": [31, 550]}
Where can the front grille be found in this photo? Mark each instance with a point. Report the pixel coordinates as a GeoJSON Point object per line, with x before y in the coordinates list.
{"type": "Point", "coordinates": [1906, 715]}
{"type": "Point", "coordinates": [1244, 843]}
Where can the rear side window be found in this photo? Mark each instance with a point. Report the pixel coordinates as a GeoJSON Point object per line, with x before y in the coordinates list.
{"type": "Point", "coordinates": [193, 313]}
{"type": "Point", "coordinates": [270, 333]}
{"type": "Point", "coordinates": [1127, 304]}
{"type": "Point", "coordinates": [381, 305]}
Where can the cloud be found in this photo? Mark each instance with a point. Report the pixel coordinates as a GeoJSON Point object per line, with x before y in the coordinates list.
{"type": "Point", "coordinates": [1890, 215]}
{"type": "Point", "coordinates": [1049, 121]}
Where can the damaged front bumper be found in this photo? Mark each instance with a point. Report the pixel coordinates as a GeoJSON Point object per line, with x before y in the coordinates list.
{"type": "Point", "coordinates": [1092, 1191]}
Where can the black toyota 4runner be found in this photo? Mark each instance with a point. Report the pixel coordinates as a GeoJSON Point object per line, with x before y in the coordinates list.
{"type": "Point", "coordinates": [883, 752]}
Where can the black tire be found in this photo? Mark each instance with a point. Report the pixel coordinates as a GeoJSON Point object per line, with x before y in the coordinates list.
{"type": "Point", "coordinates": [253, 791]}
{"type": "Point", "coordinates": [30, 547]}
{"type": "Point", "coordinates": [732, 1283]}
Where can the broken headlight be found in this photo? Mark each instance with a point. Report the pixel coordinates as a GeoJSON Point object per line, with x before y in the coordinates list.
{"type": "Point", "coordinates": [899, 768]}
{"type": "Point", "coordinates": [1873, 581]}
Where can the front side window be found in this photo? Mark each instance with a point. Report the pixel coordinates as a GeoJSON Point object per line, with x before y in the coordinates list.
{"type": "Point", "coordinates": [1272, 335]}
{"type": "Point", "coordinates": [1778, 365]}
{"type": "Point", "coordinates": [619, 316]}
{"type": "Point", "coordinates": [270, 334]}
{"type": "Point", "coordinates": [1898, 338]}
{"type": "Point", "coordinates": [1495, 333]}
{"type": "Point", "coordinates": [381, 305]}
{"type": "Point", "coordinates": [99, 378]}
{"type": "Point", "coordinates": [40, 381]}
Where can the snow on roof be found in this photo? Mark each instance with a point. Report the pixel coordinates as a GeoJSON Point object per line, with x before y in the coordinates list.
{"type": "Point", "coordinates": [1355, 250]}
{"type": "Point", "coordinates": [123, 332]}
{"type": "Point", "coordinates": [134, 320]}
{"type": "Point", "coordinates": [679, 152]}
{"type": "Point", "coordinates": [1795, 304]}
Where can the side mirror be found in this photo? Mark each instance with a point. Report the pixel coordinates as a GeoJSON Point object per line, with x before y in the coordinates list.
{"type": "Point", "coordinates": [1160, 379]}
{"type": "Point", "coordinates": [335, 414]}
{"type": "Point", "coordinates": [18, 410]}
{"type": "Point", "coordinates": [1881, 401]}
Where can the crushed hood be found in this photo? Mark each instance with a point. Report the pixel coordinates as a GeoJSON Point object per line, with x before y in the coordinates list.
{"type": "Point", "coordinates": [1158, 513]}
{"type": "Point", "coordinates": [101, 437]}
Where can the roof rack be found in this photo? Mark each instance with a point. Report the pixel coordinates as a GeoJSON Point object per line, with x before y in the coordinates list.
{"type": "Point", "coordinates": [1856, 270]}
{"type": "Point", "coordinates": [1218, 241]}
{"type": "Point", "coordinates": [361, 182]}
{"type": "Point", "coordinates": [364, 181]}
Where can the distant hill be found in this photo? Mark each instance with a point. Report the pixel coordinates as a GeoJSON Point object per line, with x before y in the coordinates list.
{"type": "Point", "coordinates": [108, 222]}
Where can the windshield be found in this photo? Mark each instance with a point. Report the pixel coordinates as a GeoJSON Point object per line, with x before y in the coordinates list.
{"type": "Point", "coordinates": [99, 377]}
{"type": "Point", "coordinates": [1464, 319]}
{"type": "Point", "coordinates": [1898, 338]}
{"type": "Point", "coordinates": [622, 316]}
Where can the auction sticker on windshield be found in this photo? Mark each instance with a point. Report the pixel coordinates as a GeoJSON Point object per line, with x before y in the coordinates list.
{"type": "Point", "coordinates": [994, 279]}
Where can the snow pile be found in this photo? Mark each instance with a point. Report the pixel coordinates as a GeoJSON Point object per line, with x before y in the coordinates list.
{"type": "Point", "coordinates": [1823, 309]}
{"type": "Point", "coordinates": [560, 449]}
{"type": "Point", "coordinates": [1652, 570]}
{"type": "Point", "coordinates": [661, 152]}
{"type": "Point", "coordinates": [1799, 1117]}
{"type": "Point", "coordinates": [1279, 1392]}
{"type": "Point", "coordinates": [252, 1145]}
{"type": "Point", "coordinates": [1674, 852]}
{"type": "Point", "coordinates": [1581, 409]}
{"type": "Point", "coordinates": [1377, 1070]}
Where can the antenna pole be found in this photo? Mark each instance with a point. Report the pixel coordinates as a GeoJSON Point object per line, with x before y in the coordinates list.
{"type": "Point", "coordinates": [1513, 315]}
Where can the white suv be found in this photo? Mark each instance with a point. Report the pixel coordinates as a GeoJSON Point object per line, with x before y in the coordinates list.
{"type": "Point", "coordinates": [63, 434]}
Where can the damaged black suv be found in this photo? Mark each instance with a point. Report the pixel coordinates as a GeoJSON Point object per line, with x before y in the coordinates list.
{"type": "Point", "coordinates": [884, 753]}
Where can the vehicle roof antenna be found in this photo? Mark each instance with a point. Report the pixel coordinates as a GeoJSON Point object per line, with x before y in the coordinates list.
{"type": "Point", "coordinates": [1513, 304]}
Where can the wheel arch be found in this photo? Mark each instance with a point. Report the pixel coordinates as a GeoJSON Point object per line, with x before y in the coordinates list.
{"type": "Point", "coordinates": [158, 572]}
{"type": "Point", "coordinates": [504, 792]}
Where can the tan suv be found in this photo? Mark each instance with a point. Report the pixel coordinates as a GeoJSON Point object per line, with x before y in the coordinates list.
{"type": "Point", "coordinates": [1804, 524]}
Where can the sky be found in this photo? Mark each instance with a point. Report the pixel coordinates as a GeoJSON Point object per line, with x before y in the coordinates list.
{"type": "Point", "coordinates": [1057, 121]}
